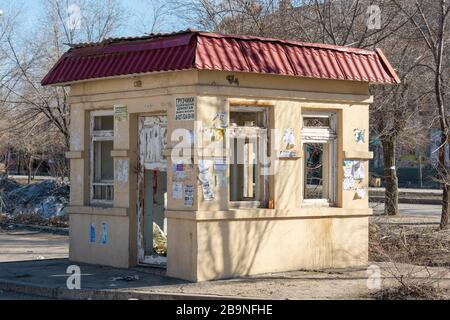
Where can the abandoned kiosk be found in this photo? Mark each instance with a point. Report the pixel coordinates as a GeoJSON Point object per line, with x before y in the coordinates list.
{"type": "Point", "coordinates": [249, 154]}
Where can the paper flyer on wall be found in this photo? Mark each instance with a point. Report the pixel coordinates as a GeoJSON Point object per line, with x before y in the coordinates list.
{"type": "Point", "coordinates": [189, 195]}
{"type": "Point", "coordinates": [207, 192]}
{"type": "Point", "coordinates": [177, 190]}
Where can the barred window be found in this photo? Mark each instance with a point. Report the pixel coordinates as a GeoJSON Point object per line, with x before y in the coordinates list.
{"type": "Point", "coordinates": [101, 161]}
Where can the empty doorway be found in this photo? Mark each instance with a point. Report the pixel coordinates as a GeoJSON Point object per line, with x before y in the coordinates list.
{"type": "Point", "coordinates": [152, 190]}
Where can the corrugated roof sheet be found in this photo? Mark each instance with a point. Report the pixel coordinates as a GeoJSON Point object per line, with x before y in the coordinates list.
{"type": "Point", "coordinates": [209, 51]}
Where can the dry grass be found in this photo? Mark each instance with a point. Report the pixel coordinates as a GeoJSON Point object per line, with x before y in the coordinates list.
{"type": "Point", "coordinates": [419, 245]}
{"type": "Point", "coordinates": [412, 292]}
{"type": "Point", "coordinates": [411, 250]}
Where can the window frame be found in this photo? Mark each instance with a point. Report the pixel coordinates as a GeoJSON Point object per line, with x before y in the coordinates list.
{"type": "Point", "coordinates": [96, 136]}
{"type": "Point", "coordinates": [328, 137]}
{"type": "Point", "coordinates": [255, 134]}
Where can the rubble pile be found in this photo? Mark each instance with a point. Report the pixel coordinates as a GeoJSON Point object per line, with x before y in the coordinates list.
{"type": "Point", "coordinates": [46, 198]}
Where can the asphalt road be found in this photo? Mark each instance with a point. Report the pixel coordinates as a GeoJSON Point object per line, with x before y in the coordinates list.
{"type": "Point", "coordinates": [410, 209]}
{"type": "Point", "coordinates": [21, 245]}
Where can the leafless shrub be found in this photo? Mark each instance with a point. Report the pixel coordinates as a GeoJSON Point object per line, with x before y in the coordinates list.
{"type": "Point", "coordinates": [409, 253]}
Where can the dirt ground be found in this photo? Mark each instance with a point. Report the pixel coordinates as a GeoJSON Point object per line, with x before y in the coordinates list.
{"type": "Point", "coordinates": [417, 242]}
{"type": "Point", "coordinates": [412, 257]}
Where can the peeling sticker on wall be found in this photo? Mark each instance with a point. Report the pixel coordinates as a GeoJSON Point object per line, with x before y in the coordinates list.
{"type": "Point", "coordinates": [122, 171]}
{"type": "Point", "coordinates": [205, 178]}
{"type": "Point", "coordinates": [92, 233]}
{"type": "Point", "coordinates": [359, 135]}
{"type": "Point", "coordinates": [360, 193]}
{"type": "Point", "coordinates": [180, 171]}
{"type": "Point", "coordinates": [358, 170]}
{"type": "Point", "coordinates": [219, 134]}
{"type": "Point", "coordinates": [349, 183]}
{"type": "Point", "coordinates": [354, 169]}
{"type": "Point", "coordinates": [104, 239]}
{"type": "Point", "coordinates": [208, 195]}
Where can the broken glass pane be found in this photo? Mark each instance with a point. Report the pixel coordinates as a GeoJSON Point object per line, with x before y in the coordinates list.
{"type": "Point", "coordinates": [319, 122]}
{"type": "Point", "coordinates": [313, 170]}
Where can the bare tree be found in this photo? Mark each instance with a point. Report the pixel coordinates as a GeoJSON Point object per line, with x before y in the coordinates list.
{"type": "Point", "coordinates": [29, 55]}
{"type": "Point", "coordinates": [396, 114]}
{"type": "Point", "coordinates": [431, 20]}
{"type": "Point", "coordinates": [155, 19]}
{"type": "Point", "coordinates": [340, 22]}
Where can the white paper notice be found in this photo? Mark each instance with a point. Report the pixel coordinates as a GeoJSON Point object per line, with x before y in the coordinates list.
{"type": "Point", "coordinates": [288, 138]}
{"type": "Point", "coordinates": [189, 195]}
{"type": "Point", "coordinates": [177, 191]}
{"type": "Point", "coordinates": [185, 108]}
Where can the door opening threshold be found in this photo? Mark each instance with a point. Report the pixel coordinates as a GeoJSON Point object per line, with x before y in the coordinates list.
{"type": "Point", "coordinates": [154, 261]}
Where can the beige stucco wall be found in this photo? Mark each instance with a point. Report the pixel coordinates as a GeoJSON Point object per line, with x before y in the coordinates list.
{"type": "Point", "coordinates": [210, 240]}
{"type": "Point", "coordinates": [217, 245]}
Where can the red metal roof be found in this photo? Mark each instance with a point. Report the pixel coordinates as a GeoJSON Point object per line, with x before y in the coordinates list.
{"type": "Point", "coordinates": [209, 51]}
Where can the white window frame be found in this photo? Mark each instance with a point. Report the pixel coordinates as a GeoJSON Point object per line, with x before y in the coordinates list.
{"type": "Point", "coordinates": [324, 135]}
{"type": "Point", "coordinates": [98, 135]}
{"type": "Point", "coordinates": [259, 136]}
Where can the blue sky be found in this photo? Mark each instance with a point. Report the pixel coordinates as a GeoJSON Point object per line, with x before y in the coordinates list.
{"type": "Point", "coordinates": [33, 9]}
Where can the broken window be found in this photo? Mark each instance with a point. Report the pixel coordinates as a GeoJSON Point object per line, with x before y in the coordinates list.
{"type": "Point", "coordinates": [248, 142]}
{"type": "Point", "coordinates": [101, 161]}
{"type": "Point", "coordinates": [320, 163]}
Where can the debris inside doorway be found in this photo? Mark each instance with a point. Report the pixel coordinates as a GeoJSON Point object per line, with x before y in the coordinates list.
{"type": "Point", "coordinates": [159, 240]}
{"type": "Point", "coordinates": [126, 278]}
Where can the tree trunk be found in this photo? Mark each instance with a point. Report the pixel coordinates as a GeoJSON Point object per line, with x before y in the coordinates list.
{"type": "Point", "coordinates": [443, 122]}
{"type": "Point", "coordinates": [30, 164]}
{"type": "Point", "coordinates": [390, 177]}
{"type": "Point", "coordinates": [445, 182]}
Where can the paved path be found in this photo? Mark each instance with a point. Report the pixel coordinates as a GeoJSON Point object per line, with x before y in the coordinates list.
{"type": "Point", "coordinates": [20, 245]}
{"type": "Point", "coordinates": [21, 271]}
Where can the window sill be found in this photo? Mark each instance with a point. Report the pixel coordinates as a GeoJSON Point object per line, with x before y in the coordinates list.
{"type": "Point", "coordinates": [245, 205]}
{"type": "Point", "coordinates": [268, 214]}
{"type": "Point", "coordinates": [98, 210]}
{"type": "Point", "coordinates": [314, 203]}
